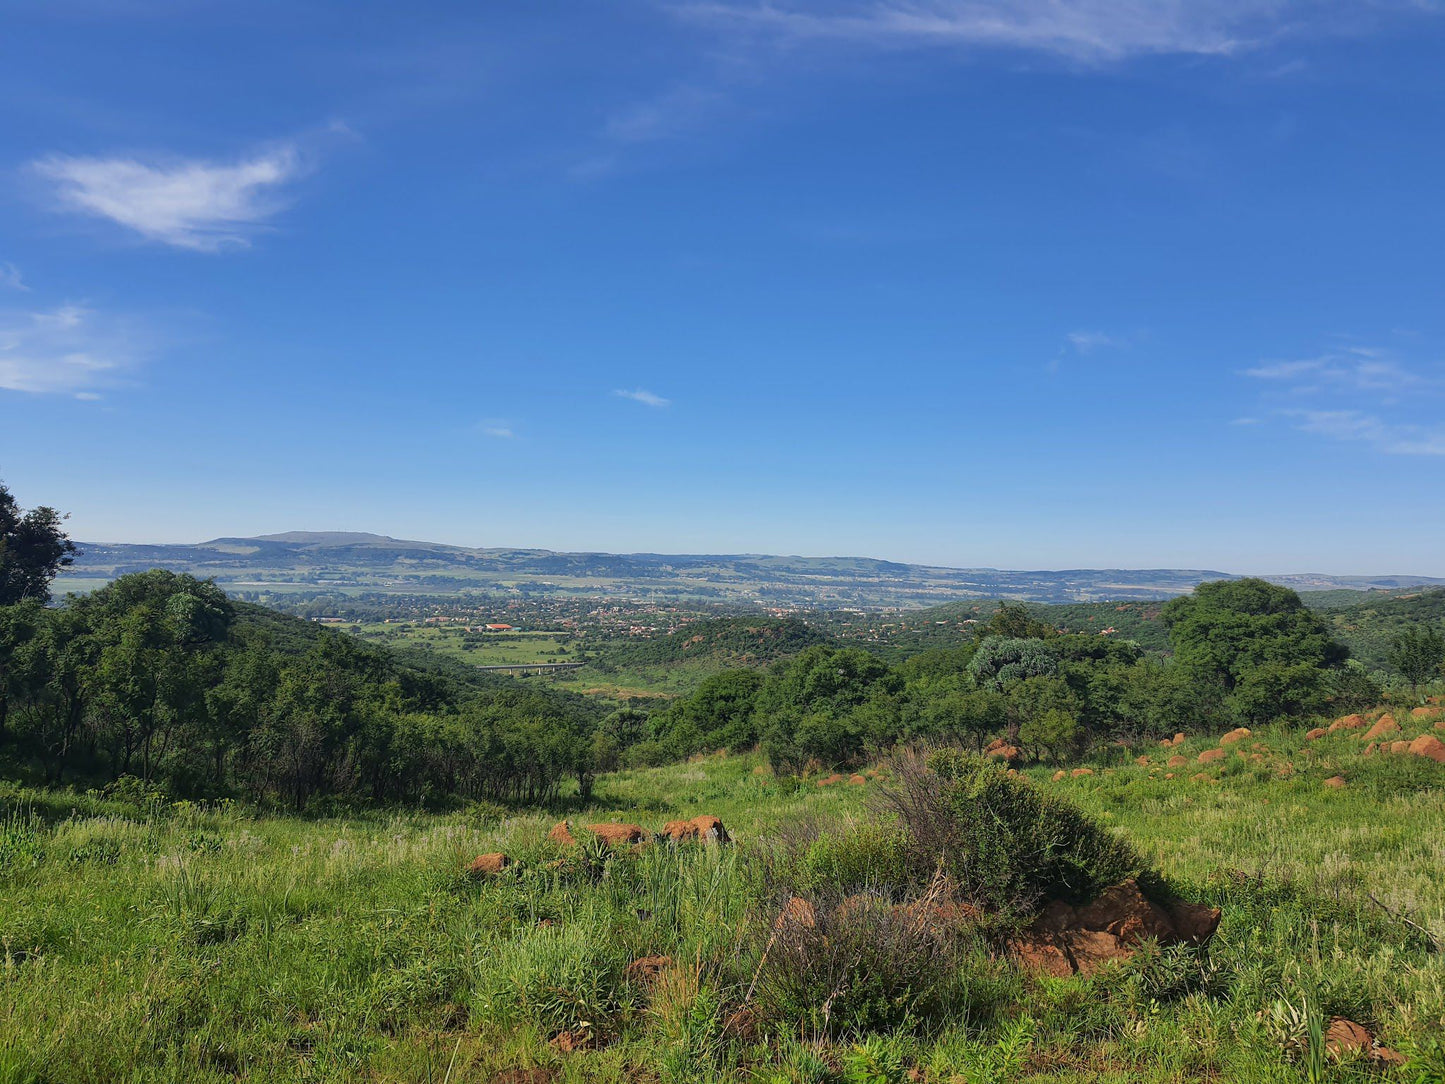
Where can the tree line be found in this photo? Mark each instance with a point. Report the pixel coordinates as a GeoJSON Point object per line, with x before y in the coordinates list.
{"type": "Point", "coordinates": [1244, 652]}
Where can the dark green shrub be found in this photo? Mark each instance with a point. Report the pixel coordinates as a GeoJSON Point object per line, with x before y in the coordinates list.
{"type": "Point", "coordinates": [1005, 844]}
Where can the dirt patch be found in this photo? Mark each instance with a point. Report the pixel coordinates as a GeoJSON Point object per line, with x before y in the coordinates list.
{"type": "Point", "coordinates": [486, 865]}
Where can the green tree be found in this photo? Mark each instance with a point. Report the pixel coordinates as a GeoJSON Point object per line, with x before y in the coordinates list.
{"type": "Point", "coordinates": [1257, 643]}
{"type": "Point", "coordinates": [33, 549]}
{"type": "Point", "coordinates": [1418, 654]}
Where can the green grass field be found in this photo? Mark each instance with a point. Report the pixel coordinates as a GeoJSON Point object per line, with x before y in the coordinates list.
{"type": "Point", "coordinates": [169, 942]}
{"type": "Point", "coordinates": [479, 649]}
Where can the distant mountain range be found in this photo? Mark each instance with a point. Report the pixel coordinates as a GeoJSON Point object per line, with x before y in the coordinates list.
{"type": "Point", "coordinates": [352, 563]}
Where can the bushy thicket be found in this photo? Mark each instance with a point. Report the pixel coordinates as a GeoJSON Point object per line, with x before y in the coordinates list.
{"type": "Point", "coordinates": [156, 676]}
{"type": "Point", "coordinates": [1244, 651]}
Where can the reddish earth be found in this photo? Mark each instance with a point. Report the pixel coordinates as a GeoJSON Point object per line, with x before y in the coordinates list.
{"type": "Point", "coordinates": [1385, 725]}
{"type": "Point", "coordinates": [645, 969]}
{"type": "Point", "coordinates": [1345, 1038]}
{"type": "Point", "coordinates": [1065, 940]}
{"type": "Point", "coordinates": [562, 833]}
{"type": "Point", "coordinates": [1427, 745]}
{"type": "Point", "coordinates": [618, 835]}
{"type": "Point", "coordinates": [614, 835]}
{"type": "Point", "coordinates": [487, 864]}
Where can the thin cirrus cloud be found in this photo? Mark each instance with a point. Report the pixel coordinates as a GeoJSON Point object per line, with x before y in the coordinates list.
{"type": "Point", "coordinates": [69, 350]}
{"type": "Point", "coordinates": [1083, 30]}
{"type": "Point", "coordinates": [643, 396]}
{"type": "Point", "coordinates": [1340, 395]}
{"type": "Point", "coordinates": [193, 204]}
{"type": "Point", "coordinates": [10, 278]}
{"type": "Point", "coordinates": [1356, 425]}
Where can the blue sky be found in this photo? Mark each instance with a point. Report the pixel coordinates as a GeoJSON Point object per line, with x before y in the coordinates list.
{"type": "Point", "coordinates": [1043, 283]}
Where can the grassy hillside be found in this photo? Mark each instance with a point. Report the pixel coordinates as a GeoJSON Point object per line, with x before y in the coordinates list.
{"type": "Point", "coordinates": [1368, 625]}
{"type": "Point", "coordinates": [156, 942]}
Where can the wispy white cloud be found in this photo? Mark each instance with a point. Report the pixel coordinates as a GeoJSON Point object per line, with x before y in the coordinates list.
{"type": "Point", "coordinates": [1391, 438]}
{"type": "Point", "coordinates": [200, 205]}
{"type": "Point", "coordinates": [1245, 421]}
{"type": "Point", "coordinates": [1358, 367]}
{"type": "Point", "coordinates": [1086, 342]}
{"type": "Point", "coordinates": [10, 278]}
{"type": "Point", "coordinates": [70, 350]}
{"type": "Point", "coordinates": [642, 395]}
{"type": "Point", "coordinates": [1086, 30]}
{"type": "Point", "coordinates": [498, 432]}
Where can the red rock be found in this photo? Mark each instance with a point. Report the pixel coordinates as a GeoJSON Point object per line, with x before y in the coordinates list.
{"type": "Point", "coordinates": [1007, 752]}
{"type": "Point", "coordinates": [1348, 722]}
{"type": "Point", "coordinates": [1123, 911]}
{"type": "Point", "coordinates": [856, 780]}
{"type": "Point", "coordinates": [1335, 782]}
{"type": "Point", "coordinates": [1209, 756]}
{"type": "Point", "coordinates": [1424, 713]}
{"type": "Point", "coordinates": [646, 969]}
{"type": "Point", "coordinates": [680, 831]}
{"type": "Point", "coordinates": [562, 833]}
{"type": "Point", "coordinates": [1385, 725]}
{"type": "Point", "coordinates": [1081, 771]}
{"type": "Point", "coordinates": [1143, 762]}
{"type": "Point", "coordinates": [1370, 749]}
{"type": "Point", "coordinates": [1178, 739]}
{"type": "Point", "coordinates": [1060, 774]}
{"type": "Point", "coordinates": [1037, 954]}
{"type": "Point", "coordinates": [1237, 734]}
{"type": "Point", "coordinates": [1168, 775]}
{"type": "Point", "coordinates": [1427, 745]}
{"type": "Point", "coordinates": [1347, 1037]}
{"type": "Point", "coordinates": [487, 864]}
{"type": "Point", "coordinates": [830, 780]}
{"type": "Point", "coordinates": [1177, 761]}
{"type": "Point", "coordinates": [618, 835]}
{"type": "Point", "coordinates": [710, 829]}
{"type": "Point", "coordinates": [1063, 940]}
{"type": "Point", "coordinates": [1399, 747]}
{"type": "Point", "coordinates": [1315, 734]}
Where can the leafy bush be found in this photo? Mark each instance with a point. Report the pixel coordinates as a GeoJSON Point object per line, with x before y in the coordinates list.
{"type": "Point", "coordinates": [859, 964]}
{"type": "Point", "coordinates": [1005, 844]}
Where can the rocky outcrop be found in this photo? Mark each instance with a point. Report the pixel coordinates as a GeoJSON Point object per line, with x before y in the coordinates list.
{"type": "Point", "coordinates": [1209, 756]}
{"type": "Point", "coordinates": [1065, 940]}
{"type": "Point", "coordinates": [1316, 734]}
{"type": "Point", "coordinates": [1237, 734]}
